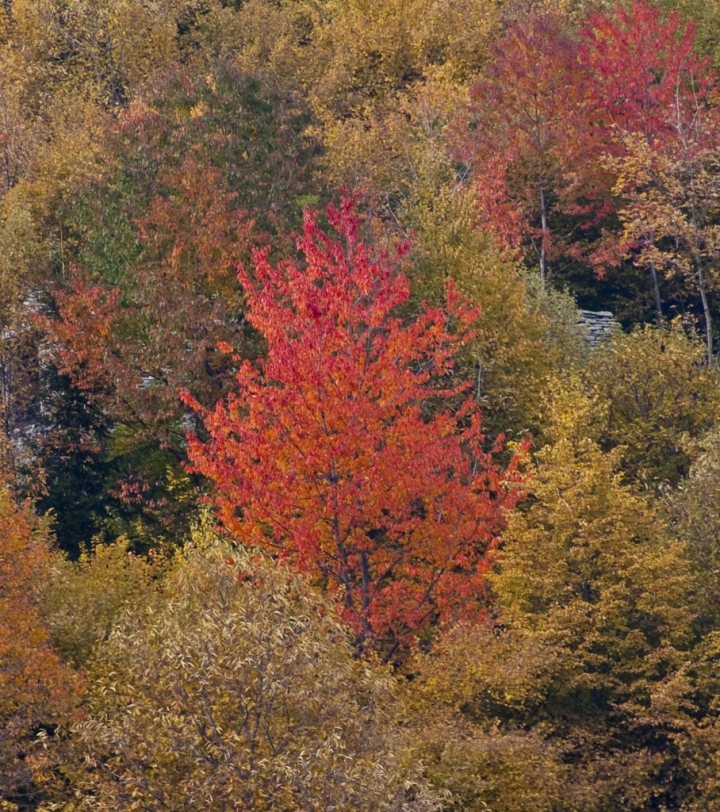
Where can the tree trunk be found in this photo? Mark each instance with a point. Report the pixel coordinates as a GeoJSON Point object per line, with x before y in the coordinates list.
{"type": "Point", "coordinates": [706, 312]}
{"type": "Point", "coordinates": [696, 243]}
{"type": "Point", "coordinates": [544, 227]}
{"type": "Point", "coordinates": [656, 291]}
{"type": "Point", "coordinates": [656, 287]}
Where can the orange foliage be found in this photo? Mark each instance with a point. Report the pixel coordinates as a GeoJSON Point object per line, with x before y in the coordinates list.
{"type": "Point", "coordinates": [132, 346]}
{"type": "Point", "coordinates": [36, 689]}
{"type": "Point", "coordinates": [340, 451]}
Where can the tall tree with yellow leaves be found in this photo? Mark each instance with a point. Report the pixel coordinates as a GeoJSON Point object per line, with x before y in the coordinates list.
{"type": "Point", "coordinates": [239, 690]}
{"type": "Point", "coordinates": [595, 674]}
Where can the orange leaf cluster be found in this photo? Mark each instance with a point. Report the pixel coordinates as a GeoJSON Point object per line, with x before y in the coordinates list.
{"type": "Point", "coordinates": [341, 451]}
{"type": "Point", "coordinates": [36, 689]}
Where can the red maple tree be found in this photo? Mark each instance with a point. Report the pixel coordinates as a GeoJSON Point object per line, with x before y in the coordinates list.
{"type": "Point", "coordinates": [640, 66]}
{"type": "Point", "coordinates": [527, 135]}
{"type": "Point", "coordinates": [648, 88]}
{"type": "Point", "coordinates": [341, 450]}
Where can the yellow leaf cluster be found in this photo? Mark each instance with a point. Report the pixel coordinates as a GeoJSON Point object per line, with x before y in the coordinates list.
{"type": "Point", "coordinates": [238, 690]}
{"type": "Point", "coordinates": [656, 391]}
{"type": "Point", "coordinates": [525, 334]}
{"type": "Point", "coordinates": [85, 598]}
{"type": "Point", "coordinates": [594, 659]}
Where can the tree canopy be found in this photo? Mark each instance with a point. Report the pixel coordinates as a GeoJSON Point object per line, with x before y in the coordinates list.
{"type": "Point", "coordinates": [359, 405]}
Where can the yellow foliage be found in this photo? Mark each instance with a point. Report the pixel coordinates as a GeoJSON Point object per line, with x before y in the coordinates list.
{"type": "Point", "coordinates": [369, 49]}
{"type": "Point", "coordinates": [114, 43]}
{"type": "Point", "coordinates": [588, 557]}
{"type": "Point", "coordinates": [239, 690]}
{"type": "Point", "coordinates": [694, 508]}
{"type": "Point", "coordinates": [672, 207]}
{"type": "Point", "coordinates": [588, 675]}
{"type": "Point", "coordinates": [84, 599]}
{"type": "Point", "coordinates": [657, 391]}
{"type": "Point", "coordinates": [525, 334]}
{"type": "Point", "coordinates": [371, 69]}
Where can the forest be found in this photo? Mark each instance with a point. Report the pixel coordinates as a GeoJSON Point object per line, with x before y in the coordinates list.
{"type": "Point", "coordinates": [359, 405]}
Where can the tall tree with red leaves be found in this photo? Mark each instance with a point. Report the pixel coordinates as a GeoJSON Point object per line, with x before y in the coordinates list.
{"type": "Point", "coordinates": [638, 65]}
{"type": "Point", "coordinates": [648, 88]}
{"type": "Point", "coordinates": [342, 451]}
{"type": "Point", "coordinates": [527, 137]}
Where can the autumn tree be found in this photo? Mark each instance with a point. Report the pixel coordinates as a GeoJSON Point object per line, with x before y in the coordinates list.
{"type": "Point", "coordinates": [83, 599]}
{"type": "Point", "coordinates": [636, 57]}
{"type": "Point", "coordinates": [37, 692]}
{"type": "Point", "coordinates": [596, 675]}
{"type": "Point", "coordinates": [672, 191]}
{"type": "Point", "coordinates": [63, 67]}
{"type": "Point", "coordinates": [525, 136]}
{"type": "Point", "coordinates": [650, 94]}
{"type": "Point", "coordinates": [524, 332]}
{"type": "Point", "coordinates": [194, 171]}
{"type": "Point", "coordinates": [238, 690]}
{"type": "Point", "coordinates": [656, 395]}
{"type": "Point", "coordinates": [127, 348]}
{"type": "Point", "coordinates": [549, 117]}
{"type": "Point", "coordinates": [340, 450]}
{"type": "Point", "coordinates": [134, 342]}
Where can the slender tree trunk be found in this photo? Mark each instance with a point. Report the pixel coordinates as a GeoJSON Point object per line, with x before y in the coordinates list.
{"type": "Point", "coordinates": [656, 291]}
{"type": "Point", "coordinates": [9, 182]}
{"type": "Point", "coordinates": [656, 287]}
{"type": "Point", "coordinates": [6, 456]}
{"type": "Point", "coordinates": [696, 242]}
{"type": "Point", "coordinates": [544, 227]}
{"type": "Point", "coordinates": [706, 312]}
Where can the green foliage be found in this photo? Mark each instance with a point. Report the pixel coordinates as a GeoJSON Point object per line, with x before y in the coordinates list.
{"type": "Point", "coordinates": [706, 18]}
{"type": "Point", "coordinates": [246, 133]}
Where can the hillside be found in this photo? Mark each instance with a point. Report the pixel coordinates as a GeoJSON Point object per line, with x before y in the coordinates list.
{"type": "Point", "coordinates": [359, 405]}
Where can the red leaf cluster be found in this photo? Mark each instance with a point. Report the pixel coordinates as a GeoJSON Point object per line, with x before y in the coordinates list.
{"type": "Point", "coordinates": [340, 450]}
{"type": "Point", "coordinates": [551, 107]}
